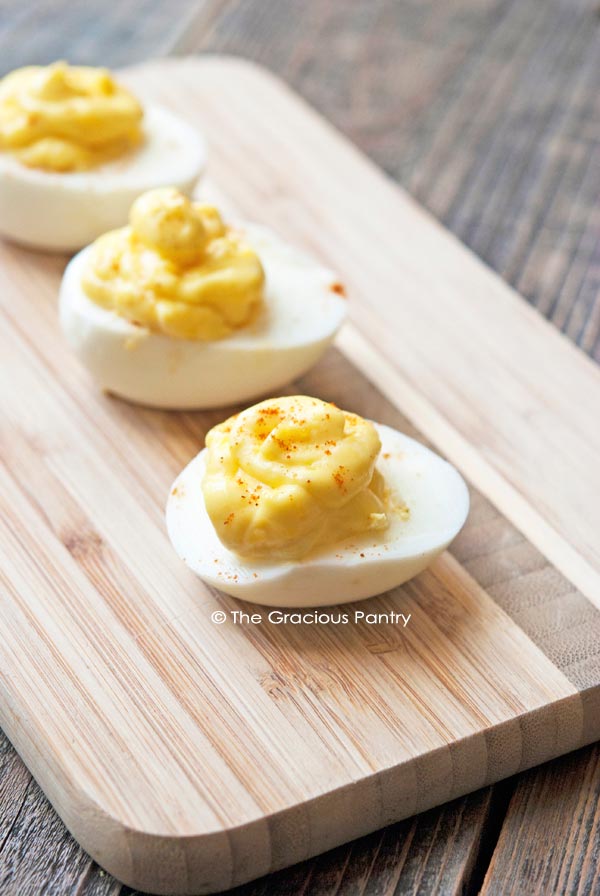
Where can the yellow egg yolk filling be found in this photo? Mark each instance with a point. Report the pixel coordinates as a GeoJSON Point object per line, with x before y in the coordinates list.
{"type": "Point", "coordinates": [66, 118]}
{"type": "Point", "coordinates": [177, 270]}
{"type": "Point", "coordinates": [292, 475]}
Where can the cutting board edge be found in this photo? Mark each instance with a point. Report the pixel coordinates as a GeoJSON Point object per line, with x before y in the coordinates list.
{"type": "Point", "coordinates": [140, 859]}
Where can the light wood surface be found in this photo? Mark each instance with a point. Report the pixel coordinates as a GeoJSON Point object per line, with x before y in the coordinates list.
{"type": "Point", "coordinates": [187, 756]}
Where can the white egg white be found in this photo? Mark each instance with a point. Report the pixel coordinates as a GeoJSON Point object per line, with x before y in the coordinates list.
{"type": "Point", "coordinates": [434, 492]}
{"type": "Point", "coordinates": [62, 212]}
{"type": "Point", "coordinates": [300, 317]}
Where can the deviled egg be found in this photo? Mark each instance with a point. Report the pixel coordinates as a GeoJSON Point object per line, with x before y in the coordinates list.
{"type": "Point", "coordinates": [76, 149]}
{"type": "Point", "coordinates": [180, 310]}
{"type": "Point", "coordinates": [297, 503]}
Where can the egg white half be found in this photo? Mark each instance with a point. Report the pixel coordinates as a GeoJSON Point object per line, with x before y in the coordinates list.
{"type": "Point", "coordinates": [300, 317]}
{"type": "Point", "coordinates": [64, 211]}
{"type": "Point", "coordinates": [438, 502]}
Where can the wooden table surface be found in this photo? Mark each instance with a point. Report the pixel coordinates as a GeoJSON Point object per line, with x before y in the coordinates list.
{"type": "Point", "coordinates": [487, 112]}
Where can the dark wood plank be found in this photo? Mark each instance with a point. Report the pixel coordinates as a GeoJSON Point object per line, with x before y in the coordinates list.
{"type": "Point", "coordinates": [485, 110]}
{"type": "Point", "coordinates": [37, 854]}
{"type": "Point", "coordinates": [550, 839]}
{"type": "Point", "coordinates": [85, 33]}
{"type": "Point", "coordinates": [435, 853]}
{"type": "Point", "coordinates": [14, 782]}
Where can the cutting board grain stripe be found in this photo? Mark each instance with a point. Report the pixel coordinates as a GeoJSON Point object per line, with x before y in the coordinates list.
{"type": "Point", "coordinates": [188, 757]}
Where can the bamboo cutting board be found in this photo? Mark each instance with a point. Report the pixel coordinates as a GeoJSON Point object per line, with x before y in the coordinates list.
{"type": "Point", "coordinates": [187, 756]}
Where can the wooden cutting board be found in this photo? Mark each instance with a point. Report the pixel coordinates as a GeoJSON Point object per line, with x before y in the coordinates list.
{"type": "Point", "coordinates": [188, 756]}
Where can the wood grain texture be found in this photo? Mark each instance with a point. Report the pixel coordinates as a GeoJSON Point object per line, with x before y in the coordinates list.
{"type": "Point", "coordinates": [436, 852]}
{"type": "Point", "coordinates": [560, 814]}
{"type": "Point", "coordinates": [402, 79]}
{"type": "Point", "coordinates": [172, 773]}
{"type": "Point", "coordinates": [544, 604]}
{"type": "Point", "coordinates": [485, 111]}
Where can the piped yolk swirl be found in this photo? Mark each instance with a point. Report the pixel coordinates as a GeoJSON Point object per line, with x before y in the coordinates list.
{"type": "Point", "coordinates": [291, 475]}
{"type": "Point", "coordinates": [177, 270]}
{"type": "Point", "coordinates": [66, 118]}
